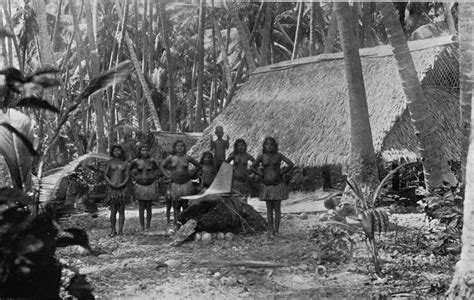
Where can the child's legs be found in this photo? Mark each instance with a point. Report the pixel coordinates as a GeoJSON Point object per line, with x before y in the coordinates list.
{"type": "Point", "coordinates": [148, 213]}
{"type": "Point", "coordinates": [277, 208]}
{"type": "Point", "coordinates": [141, 213]}
{"type": "Point", "coordinates": [269, 214]}
{"type": "Point", "coordinates": [176, 208]}
{"type": "Point", "coordinates": [121, 210]}
{"type": "Point", "coordinates": [168, 209]}
{"type": "Point", "coordinates": [113, 217]}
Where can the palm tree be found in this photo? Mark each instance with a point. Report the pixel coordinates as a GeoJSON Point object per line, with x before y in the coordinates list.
{"type": "Point", "coordinates": [332, 32]}
{"type": "Point", "coordinates": [200, 67]}
{"type": "Point", "coordinates": [165, 32]}
{"type": "Point", "coordinates": [244, 38]}
{"type": "Point", "coordinates": [94, 69]}
{"type": "Point", "coordinates": [362, 159]}
{"type": "Point", "coordinates": [435, 165]}
{"type": "Point", "coordinates": [461, 286]}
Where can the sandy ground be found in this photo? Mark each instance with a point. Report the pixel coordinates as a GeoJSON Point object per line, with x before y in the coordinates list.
{"type": "Point", "coordinates": [132, 266]}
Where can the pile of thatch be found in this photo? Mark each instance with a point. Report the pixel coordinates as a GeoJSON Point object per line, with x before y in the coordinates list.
{"type": "Point", "coordinates": [224, 214]}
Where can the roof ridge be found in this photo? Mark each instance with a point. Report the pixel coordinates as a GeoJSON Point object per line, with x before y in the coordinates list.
{"type": "Point", "coordinates": [378, 51]}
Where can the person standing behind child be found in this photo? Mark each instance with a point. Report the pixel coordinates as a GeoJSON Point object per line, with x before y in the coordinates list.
{"type": "Point", "coordinates": [273, 190]}
{"type": "Point", "coordinates": [117, 176]}
{"type": "Point", "coordinates": [145, 172]}
{"type": "Point", "coordinates": [219, 147]}
{"type": "Point", "coordinates": [208, 171]}
{"type": "Point", "coordinates": [241, 175]}
{"type": "Point", "coordinates": [176, 168]}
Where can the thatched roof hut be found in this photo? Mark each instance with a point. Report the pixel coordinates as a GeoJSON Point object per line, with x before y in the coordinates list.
{"type": "Point", "coordinates": [163, 142]}
{"type": "Point", "coordinates": [303, 104]}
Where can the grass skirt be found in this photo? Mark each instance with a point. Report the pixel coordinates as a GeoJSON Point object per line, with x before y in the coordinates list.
{"type": "Point", "coordinates": [117, 196]}
{"type": "Point", "coordinates": [179, 190]}
{"type": "Point", "coordinates": [243, 187]}
{"type": "Point", "coordinates": [146, 192]}
{"type": "Point", "coordinates": [273, 192]}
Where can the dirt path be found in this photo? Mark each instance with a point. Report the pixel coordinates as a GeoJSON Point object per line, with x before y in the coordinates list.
{"type": "Point", "coordinates": [131, 265]}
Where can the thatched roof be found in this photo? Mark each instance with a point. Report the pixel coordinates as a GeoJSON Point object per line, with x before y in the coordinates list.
{"type": "Point", "coordinates": [303, 104]}
{"type": "Point", "coordinates": [163, 144]}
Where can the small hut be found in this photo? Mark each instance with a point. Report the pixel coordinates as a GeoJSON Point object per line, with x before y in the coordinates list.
{"type": "Point", "coordinates": [303, 104]}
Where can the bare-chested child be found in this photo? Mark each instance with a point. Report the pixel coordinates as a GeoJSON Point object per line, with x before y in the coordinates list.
{"type": "Point", "coordinates": [117, 176]}
{"type": "Point", "coordinates": [176, 168]}
{"type": "Point", "coordinates": [241, 174]}
{"type": "Point", "coordinates": [144, 172]}
{"type": "Point", "coordinates": [273, 190]}
{"type": "Point", "coordinates": [219, 147]}
{"type": "Point", "coordinates": [208, 171]}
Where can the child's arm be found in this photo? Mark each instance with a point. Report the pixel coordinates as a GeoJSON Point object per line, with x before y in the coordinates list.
{"type": "Point", "coordinates": [230, 158]}
{"type": "Point", "coordinates": [163, 166]}
{"type": "Point", "coordinates": [227, 142]}
{"type": "Point", "coordinates": [196, 164]}
{"type": "Point", "coordinates": [255, 165]}
{"type": "Point", "coordinates": [211, 143]}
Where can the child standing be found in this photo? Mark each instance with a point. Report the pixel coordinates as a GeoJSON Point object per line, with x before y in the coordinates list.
{"type": "Point", "coordinates": [117, 176]}
{"type": "Point", "coordinates": [219, 146]}
{"type": "Point", "coordinates": [273, 190]}
{"type": "Point", "coordinates": [208, 171]}
{"type": "Point", "coordinates": [176, 168]}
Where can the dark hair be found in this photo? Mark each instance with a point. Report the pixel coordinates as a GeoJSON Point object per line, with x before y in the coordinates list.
{"type": "Point", "coordinates": [175, 144]}
{"type": "Point", "coordinates": [237, 142]}
{"type": "Point", "coordinates": [122, 157]}
{"type": "Point", "coordinates": [139, 155]}
{"type": "Point", "coordinates": [269, 139]}
{"type": "Point", "coordinates": [204, 154]}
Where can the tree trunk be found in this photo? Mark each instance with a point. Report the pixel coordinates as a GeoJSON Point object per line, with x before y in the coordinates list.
{"type": "Point", "coordinates": [462, 285]}
{"type": "Point", "coordinates": [362, 167]}
{"type": "Point", "coordinates": [200, 68]}
{"type": "Point", "coordinates": [435, 165]}
{"type": "Point", "coordinates": [141, 76]}
{"type": "Point", "coordinates": [267, 34]}
{"type": "Point", "coordinates": [367, 24]}
{"type": "Point", "coordinates": [316, 17]}
{"type": "Point", "coordinates": [4, 44]}
{"type": "Point", "coordinates": [332, 32]}
{"type": "Point", "coordinates": [465, 79]}
{"type": "Point", "coordinates": [298, 30]}
{"type": "Point", "coordinates": [244, 39]}
{"type": "Point", "coordinates": [169, 61]}
{"type": "Point", "coordinates": [225, 58]}
{"type": "Point", "coordinates": [449, 17]}
{"type": "Point", "coordinates": [94, 64]}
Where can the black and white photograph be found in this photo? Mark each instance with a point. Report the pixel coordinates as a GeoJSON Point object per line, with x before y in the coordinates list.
{"type": "Point", "coordinates": [223, 149]}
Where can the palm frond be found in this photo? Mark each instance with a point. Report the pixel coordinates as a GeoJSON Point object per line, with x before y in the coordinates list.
{"type": "Point", "coordinates": [109, 78]}
{"type": "Point", "coordinates": [35, 102]}
{"type": "Point", "coordinates": [25, 140]}
{"type": "Point", "coordinates": [50, 184]}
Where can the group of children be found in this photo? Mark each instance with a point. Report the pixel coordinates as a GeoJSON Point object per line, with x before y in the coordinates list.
{"type": "Point", "coordinates": [146, 175]}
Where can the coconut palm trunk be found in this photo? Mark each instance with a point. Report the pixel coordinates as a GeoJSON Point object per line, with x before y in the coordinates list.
{"type": "Point", "coordinates": [94, 64]}
{"type": "Point", "coordinates": [449, 17]}
{"type": "Point", "coordinates": [266, 34]}
{"type": "Point", "coordinates": [332, 32]}
{"type": "Point", "coordinates": [169, 62]}
{"type": "Point", "coordinates": [435, 165]}
{"type": "Point", "coordinates": [461, 286]}
{"type": "Point", "coordinates": [362, 167]}
{"type": "Point", "coordinates": [298, 29]}
{"type": "Point", "coordinates": [465, 79]}
{"type": "Point", "coordinates": [200, 68]}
